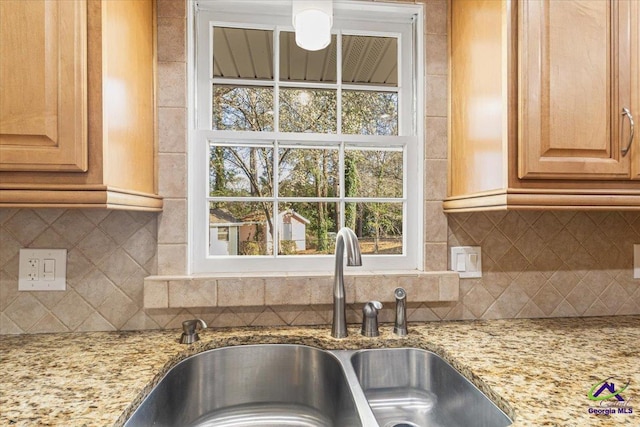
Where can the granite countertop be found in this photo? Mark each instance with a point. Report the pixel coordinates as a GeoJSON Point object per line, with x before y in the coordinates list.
{"type": "Point", "coordinates": [538, 371]}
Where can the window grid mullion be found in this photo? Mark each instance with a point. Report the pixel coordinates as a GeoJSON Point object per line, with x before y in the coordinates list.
{"type": "Point", "coordinates": [210, 75]}
{"type": "Point", "coordinates": [241, 82]}
{"type": "Point", "coordinates": [239, 199]}
{"type": "Point", "coordinates": [339, 82]}
{"type": "Point", "coordinates": [276, 127]}
{"type": "Point", "coordinates": [276, 79]}
{"type": "Point", "coordinates": [276, 197]}
{"type": "Point", "coordinates": [307, 199]}
{"type": "Point", "coordinates": [342, 205]}
{"type": "Point", "coordinates": [307, 85]}
{"type": "Point", "coordinates": [227, 137]}
{"type": "Point", "coordinates": [276, 226]}
{"type": "Point", "coordinates": [342, 184]}
{"type": "Point", "coordinates": [402, 129]}
{"type": "Point", "coordinates": [303, 85]}
{"type": "Point", "coordinates": [370, 88]}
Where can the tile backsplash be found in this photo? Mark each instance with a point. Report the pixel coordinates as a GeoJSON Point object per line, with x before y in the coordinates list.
{"type": "Point", "coordinates": [109, 253]}
{"type": "Point", "coordinates": [548, 264]}
{"type": "Point", "coordinates": [536, 264]}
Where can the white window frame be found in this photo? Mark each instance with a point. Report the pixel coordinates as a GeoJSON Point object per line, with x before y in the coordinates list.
{"type": "Point", "coordinates": [402, 21]}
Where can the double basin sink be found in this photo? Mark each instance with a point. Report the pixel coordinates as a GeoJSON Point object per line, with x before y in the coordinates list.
{"type": "Point", "coordinates": [295, 385]}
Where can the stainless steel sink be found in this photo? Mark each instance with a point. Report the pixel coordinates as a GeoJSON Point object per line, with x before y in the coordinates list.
{"type": "Point", "coordinates": [413, 387]}
{"type": "Point", "coordinates": [256, 385]}
{"type": "Point", "coordinates": [295, 385]}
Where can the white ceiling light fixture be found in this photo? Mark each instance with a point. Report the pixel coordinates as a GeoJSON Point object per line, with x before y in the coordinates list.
{"type": "Point", "coordinates": [312, 21]}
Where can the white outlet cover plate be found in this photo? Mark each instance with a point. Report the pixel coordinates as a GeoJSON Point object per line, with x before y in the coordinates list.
{"type": "Point", "coordinates": [636, 261]}
{"type": "Point", "coordinates": [57, 283]}
{"type": "Point", "coordinates": [470, 254]}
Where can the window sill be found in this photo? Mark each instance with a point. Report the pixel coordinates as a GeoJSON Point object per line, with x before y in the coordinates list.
{"type": "Point", "coordinates": [277, 289]}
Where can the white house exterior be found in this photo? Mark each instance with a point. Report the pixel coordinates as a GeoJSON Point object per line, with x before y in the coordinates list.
{"type": "Point", "coordinates": [223, 233]}
{"type": "Point", "coordinates": [227, 233]}
{"type": "Point", "coordinates": [293, 226]}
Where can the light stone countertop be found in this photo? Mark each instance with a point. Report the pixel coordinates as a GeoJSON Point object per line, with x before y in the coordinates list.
{"type": "Point", "coordinates": [538, 371]}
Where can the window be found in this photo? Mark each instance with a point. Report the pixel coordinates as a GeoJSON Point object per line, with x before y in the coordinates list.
{"type": "Point", "coordinates": [287, 146]}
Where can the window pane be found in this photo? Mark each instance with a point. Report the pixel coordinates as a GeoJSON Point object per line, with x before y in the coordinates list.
{"type": "Point", "coordinates": [240, 171]}
{"type": "Point", "coordinates": [242, 53]}
{"type": "Point", "coordinates": [308, 172]}
{"type": "Point", "coordinates": [249, 228]}
{"type": "Point", "coordinates": [297, 64]}
{"type": "Point", "coordinates": [308, 228]}
{"type": "Point", "coordinates": [242, 108]}
{"type": "Point", "coordinates": [370, 60]}
{"type": "Point", "coordinates": [377, 225]}
{"type": "Point", "coordinates": [308, 110]}
{"type": "Point", "coordinates": [373, 173]}
{"type": "Point", "coordinates": [369, 113]}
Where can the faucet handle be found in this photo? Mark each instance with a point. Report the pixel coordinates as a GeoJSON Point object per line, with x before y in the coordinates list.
{"type": "Point", "coordinates": [370, 319]}
{"type": "Point", "coordinates": [189, 326]}
{"type": "Point", "coordinates": [189, 334]}
{"type": "Point", "coordinates": [375, 304]}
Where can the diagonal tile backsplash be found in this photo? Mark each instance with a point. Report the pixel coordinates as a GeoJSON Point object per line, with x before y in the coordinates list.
{"type": "Point", "coordinates": [548, 264]}
{"type": "Point", "coordinates": [109, 254]}
{"type": "Point", "coordinates": [536, 264]}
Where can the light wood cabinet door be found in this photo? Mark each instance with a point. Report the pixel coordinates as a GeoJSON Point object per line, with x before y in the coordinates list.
{"type": "Point", "coordinates": [575, 77]}
{"type": "Point", "coordinates": [635, 88]}
{"type": "Point", "coordinates": [43, 85]}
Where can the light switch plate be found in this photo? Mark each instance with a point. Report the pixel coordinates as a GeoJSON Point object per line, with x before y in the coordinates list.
{"type": "Point", "coordinates": [42, 270]}
{"type": "Point", "coordinates": [467, 261]}
{"type": "Point", "coordinates": [636, 261]}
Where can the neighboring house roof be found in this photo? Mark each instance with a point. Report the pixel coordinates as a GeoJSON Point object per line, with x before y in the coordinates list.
{"type": "Point", "coordinates": [296, 215]}
{"type": "Point", "coordinates": [223, 218]}
{"type": "Point", "coordinates": [259, 217]}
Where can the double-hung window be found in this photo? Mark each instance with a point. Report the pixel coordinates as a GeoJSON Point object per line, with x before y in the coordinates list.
{"type": "Point", "coordinates": [287, 145]}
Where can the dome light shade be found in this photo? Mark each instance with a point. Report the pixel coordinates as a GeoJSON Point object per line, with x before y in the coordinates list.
{"type": "Point", "coordinates": [312, 21]}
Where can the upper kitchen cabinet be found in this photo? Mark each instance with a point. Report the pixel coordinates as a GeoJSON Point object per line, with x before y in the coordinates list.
{"type": "Point", "coordinates": [77, 104]}
{"type": "Point", "coordinates": [575, 82]}
{"type": "Point", "coordinates": [43, 86]}
{"type": "Point", "coordinates": [543, 97]}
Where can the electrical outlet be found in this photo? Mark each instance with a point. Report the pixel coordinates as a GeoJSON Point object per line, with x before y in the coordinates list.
{"type": "Point", "coordinates": [467, 261]}
{"type": "Point", "coordinates": [636, 261]}
{"type": "Point", "coordinates": [42, 270]}
{"type": "Point", "coordinates": [32, 269]}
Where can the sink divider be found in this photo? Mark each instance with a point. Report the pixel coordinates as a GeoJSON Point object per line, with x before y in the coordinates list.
{"type": "Point", "coordinates": [362, 404]}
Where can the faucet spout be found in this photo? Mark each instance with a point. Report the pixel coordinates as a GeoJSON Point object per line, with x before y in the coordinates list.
{"type": "Point", "coordinates": [347, 240]}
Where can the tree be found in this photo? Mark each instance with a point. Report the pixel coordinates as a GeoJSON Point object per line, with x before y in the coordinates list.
{"type": "Point", "coordinates": [351, 186]}
{"type": "Point", "coordinates": [312, 173]}
{"type": "Point", "coordinates": [370, 113]}
{"type": "Point", "coordinates": [245, 108]}
{"type": "Point", "coordinates": [242, 108]}
{"type": "Point", "coordinates": [248, 171]}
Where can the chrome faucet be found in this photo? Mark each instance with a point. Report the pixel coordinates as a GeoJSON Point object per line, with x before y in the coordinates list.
{"type": "Point", "coordinates": [189, 334]}
{"type": "Point", "coordinates": [345, 238]}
